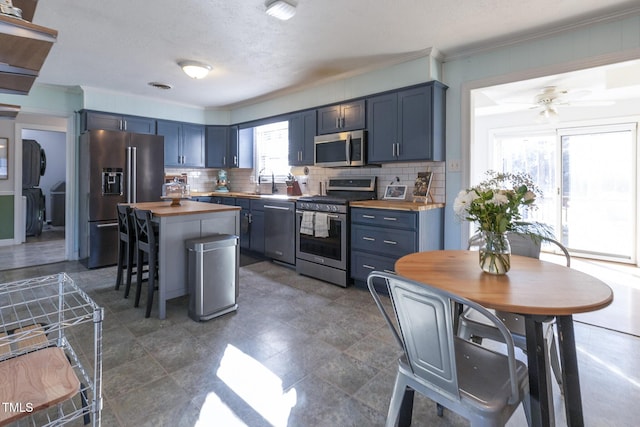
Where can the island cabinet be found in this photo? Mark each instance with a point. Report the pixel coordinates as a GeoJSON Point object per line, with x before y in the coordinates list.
{"type": "Point", "coordinates": [379, 237]}
{"type": "Point", "coordinates": [302, 130]}
{"type": "Point", "coordinates": [407, 125]}
{"type": "Point", "coordinates": [96, 120]}
{"type": "Point", "coordinates": [341, 117]}
{"type": "Point", "coordinates": [183, 143]}
{"type": "Point", "coordinates": [228, 147]}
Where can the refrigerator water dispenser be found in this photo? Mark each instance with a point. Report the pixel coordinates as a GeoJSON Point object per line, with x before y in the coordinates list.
{"type": "Point", "coordinates": [112, 182]}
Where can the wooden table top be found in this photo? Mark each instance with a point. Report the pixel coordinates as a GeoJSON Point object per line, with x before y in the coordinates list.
{"type": "Point", "coordinates": [530, 287]}
{"type": "Point", "coordinates": [187, 207]}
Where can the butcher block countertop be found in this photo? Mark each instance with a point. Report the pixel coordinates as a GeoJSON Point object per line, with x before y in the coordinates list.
{"type": "Point", "coordinates": [398, 205]}
{"type": "Point", "coordinates": [187, 207]}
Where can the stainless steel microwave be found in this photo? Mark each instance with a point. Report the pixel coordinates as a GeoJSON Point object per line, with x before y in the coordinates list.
{"type": "Point", "coordinates": [340, 149]}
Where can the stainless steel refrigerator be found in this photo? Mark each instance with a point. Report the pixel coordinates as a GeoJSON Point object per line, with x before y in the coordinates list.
{"type": "Point", "coordinates": [115, 167]}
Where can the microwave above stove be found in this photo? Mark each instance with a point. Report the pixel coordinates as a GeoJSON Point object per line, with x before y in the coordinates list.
{"type": "Point", "coordinates": [340, 149]}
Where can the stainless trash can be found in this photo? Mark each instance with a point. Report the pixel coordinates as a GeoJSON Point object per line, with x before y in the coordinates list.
{"type": "Point", "coordinates": [213, 275]}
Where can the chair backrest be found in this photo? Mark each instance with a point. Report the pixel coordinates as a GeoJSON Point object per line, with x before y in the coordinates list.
{"type": "Point", "coordinates": [424, 316]}
{"type": "Point", "coordinates": [125, 225]}
{"type": "Point", "coordinates": [525, 245]}
{"type": "Point", "coordinates": [144, 229]}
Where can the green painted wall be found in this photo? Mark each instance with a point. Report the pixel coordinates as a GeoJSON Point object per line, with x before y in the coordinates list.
{"type": "Point", "coordinates": [6, 217]}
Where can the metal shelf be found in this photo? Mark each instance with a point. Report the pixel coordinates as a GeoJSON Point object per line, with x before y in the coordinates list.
{"type": "Point", "coordinates": [52, 312]}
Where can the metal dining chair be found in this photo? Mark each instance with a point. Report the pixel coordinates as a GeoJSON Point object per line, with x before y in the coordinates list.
{"type": "Point", "coordinates": [472, 327]}
{"type": "Point", "coordinates": [480, 384]}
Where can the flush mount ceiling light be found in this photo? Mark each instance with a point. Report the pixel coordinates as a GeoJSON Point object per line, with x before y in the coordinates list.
{"type": "Point", "coordinates": [195, 69]}
{"type": "Point", "coordinates": [281, 9]}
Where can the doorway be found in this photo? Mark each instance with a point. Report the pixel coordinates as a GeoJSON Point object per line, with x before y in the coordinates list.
{"type": "Point", "coordinates": [575, 132]}
{"type": "Point", "coordinates": [48, 239]}
{"type": "Point", "coordinates": [51, 242]}
{"type": "Point", "coordinates": [588, 177]}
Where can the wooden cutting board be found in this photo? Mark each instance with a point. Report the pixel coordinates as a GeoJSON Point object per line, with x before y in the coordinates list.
{"type": "Point", "coordinates": [35, 381]}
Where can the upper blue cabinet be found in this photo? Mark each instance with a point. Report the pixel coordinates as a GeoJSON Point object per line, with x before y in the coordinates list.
{"type": "Point", "coordinates": [341, 117]}
{"type": "Point", "coordinates": [302, 130]}
{"type": "Point", "coordinates": [407, 125]}
{"type": "Point", "coordinates": [95, 120]}
{"type": "Point", "coordinates": [183, 143]}
{"type": "Point", "coordinates": [229, 147]}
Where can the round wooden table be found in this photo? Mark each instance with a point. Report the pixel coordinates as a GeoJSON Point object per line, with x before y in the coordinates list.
{"type": "Point", "coordinates": [534, 288]}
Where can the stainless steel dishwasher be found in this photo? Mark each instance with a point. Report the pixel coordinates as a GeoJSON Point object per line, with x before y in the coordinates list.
{"type": "Point", "coordinates": [279, 231]}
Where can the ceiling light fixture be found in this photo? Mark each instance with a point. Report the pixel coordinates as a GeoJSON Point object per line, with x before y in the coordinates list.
{"type": "Point", "coordinates": [281, 9]}
{"type": "Point", "coordinates": [195, 69]}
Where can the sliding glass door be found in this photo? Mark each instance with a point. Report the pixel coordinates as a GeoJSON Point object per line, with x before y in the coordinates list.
{"type": "Point", "coordinates": [588, 178]}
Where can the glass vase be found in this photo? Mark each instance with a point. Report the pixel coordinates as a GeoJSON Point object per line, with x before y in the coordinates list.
{"type": "Point", "coordinates": [495, 253]}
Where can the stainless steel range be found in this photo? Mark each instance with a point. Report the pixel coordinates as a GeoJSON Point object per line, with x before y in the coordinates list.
{"type": "Point", "coordinates": [322, 228]}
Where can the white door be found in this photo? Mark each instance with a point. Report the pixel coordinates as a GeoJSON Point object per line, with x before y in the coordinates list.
{"type": "Point", "coordinates": [588, 178]}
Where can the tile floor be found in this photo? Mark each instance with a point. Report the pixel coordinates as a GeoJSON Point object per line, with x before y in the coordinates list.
{"type": "Point", "coordinates": [298, 352]}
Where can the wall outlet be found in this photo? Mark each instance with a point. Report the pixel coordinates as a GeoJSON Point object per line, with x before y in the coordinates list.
{"type": "Point", "coordinates": [454, 165]}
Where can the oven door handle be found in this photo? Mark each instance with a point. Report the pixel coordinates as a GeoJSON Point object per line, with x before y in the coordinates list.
{"type": "Point", "coordinates": [329, 215]}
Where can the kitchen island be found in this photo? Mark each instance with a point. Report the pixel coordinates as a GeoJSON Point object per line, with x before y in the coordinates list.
{"type": "Point", "coordinates": [190, 220]}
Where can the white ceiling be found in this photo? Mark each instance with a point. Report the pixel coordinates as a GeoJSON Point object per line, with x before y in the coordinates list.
{"type": "Point", "coordinates": [122, 45]}
{"type": "Point", "coordinates": [591, 88]}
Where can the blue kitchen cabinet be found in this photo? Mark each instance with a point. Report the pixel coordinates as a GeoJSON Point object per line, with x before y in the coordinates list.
{"type": "Point", "coordinates": [379, 237]}
{"type": "Point", "coordinates": [341, 117]}
{"type": "Point", "coordinates": [229, 147]}
{"type": "Point", "coordinates": [302, 130]}
{"type": "Point", "coordinates": [257, 227]}
{"type": "Point", "coordinates": [96, 120]}
{"type": "Point", "coordinates": [184, 143]}
{"type": "Point", "coordinates": [407, 125]}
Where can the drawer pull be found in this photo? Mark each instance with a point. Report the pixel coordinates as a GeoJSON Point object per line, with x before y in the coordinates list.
{"type": "Point", "coordinates": [370, 267]}
{"type": "Point", "coordinates": [390, 242]}
{"type": "Point", "coordinates": [371, 239]}
{"type": "Point", "coordinates": [369, 216]}
{"type": "Point", "coordinates": [387, 218]}
{"type": "Point", "coordinates": [389, 271]}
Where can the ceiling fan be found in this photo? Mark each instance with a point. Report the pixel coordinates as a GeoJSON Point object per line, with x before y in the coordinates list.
{"type": "Point", "coordinates": [551, 97]}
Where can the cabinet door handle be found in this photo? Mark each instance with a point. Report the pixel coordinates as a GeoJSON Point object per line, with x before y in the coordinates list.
{"type": "Point", "coordinates": [393, 149]}
{"type": "Point", "coordinates": [368, 216]}
{"type": "Point", "coordinates": [111, 224]}
{"type": "Point", "coordinates": [342, 122]}
{"type": "Point", "coordinates": [371, 239]}
{"type": "Point", "coordinates": [123, 125]}
{"type": "Point", "coordinates": [280, 208]}
{"type": "Point", "coordinates": [390, 218]}
{"type": "Point", "coordinates": [224, 160]}
{"type": "Point", "coordinates": [390, 242]}
{"type": "Point", "coordinates": [398, 149]}
{"type": "Point", "coordinates": [235, 160]}
{"type": "Point", "coordinates": [370, 267]}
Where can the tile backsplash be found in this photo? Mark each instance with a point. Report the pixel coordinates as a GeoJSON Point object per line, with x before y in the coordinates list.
{"type": "Point", "coordinates": [241, 180]}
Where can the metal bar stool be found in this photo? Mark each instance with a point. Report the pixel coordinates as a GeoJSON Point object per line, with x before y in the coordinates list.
{"type": "Point", "coordinates": [147, 239]}
{"type": "Point", "coordinates": [126, 246]}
